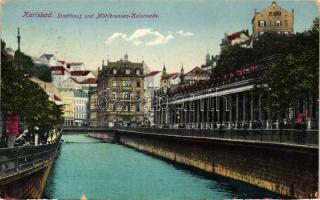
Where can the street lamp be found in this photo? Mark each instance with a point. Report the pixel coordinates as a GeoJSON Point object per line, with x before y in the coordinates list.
{"type": "Point", "coordinates": [269, 124]}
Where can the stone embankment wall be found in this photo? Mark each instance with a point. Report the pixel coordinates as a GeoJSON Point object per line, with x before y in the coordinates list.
{"type": "Point", "coordinates": [287, 170]}
{"type": "Point", "coordinates": [28, 186]}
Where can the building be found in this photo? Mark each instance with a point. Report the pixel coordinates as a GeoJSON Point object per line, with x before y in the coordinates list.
{"type": "Point", "coordinates": [76, 66]}
{"type": "Point", "coordinates": [92, 110]}
{"type": "Point", "coordinates": [122, 83]}
{"type": "Point", "coordinates": [81, 75]}
{"type": "Point", "coordinates": [272, 19]}
{"type": "Point", "coordinates": [195, 75]}
{"type": "Point", "coordinates": [81, 99]}
{"type": "Point", "coordinates": [67, 88]}
{"type": "Point", "coordinates": [230, 102]}
{"type": "Point", "coordinates": [240, 38]}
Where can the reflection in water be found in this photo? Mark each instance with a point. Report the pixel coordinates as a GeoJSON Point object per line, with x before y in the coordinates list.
{"type": "Point", "coordinates": [98, 170]}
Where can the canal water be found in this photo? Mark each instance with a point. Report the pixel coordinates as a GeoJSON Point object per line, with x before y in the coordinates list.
{"type": "Point", "coordinates": [111, 171]}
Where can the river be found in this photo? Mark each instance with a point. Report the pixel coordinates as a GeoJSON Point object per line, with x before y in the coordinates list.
{"type": "Point", "coordinates": [98, 170]}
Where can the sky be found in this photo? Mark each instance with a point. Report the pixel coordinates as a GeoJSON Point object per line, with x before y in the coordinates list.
{"type": "Point", "coordinates": [182, 34]}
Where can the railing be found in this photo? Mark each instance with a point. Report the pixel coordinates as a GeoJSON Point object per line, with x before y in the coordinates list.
{"type": "Point", "coordinates": [285, 136]}
{"type": "Point", "coordinates": [18, 159]}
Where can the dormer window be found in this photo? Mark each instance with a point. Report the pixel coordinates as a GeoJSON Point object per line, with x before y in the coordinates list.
{"type": "Point", "coordinates": [127, 71]}
{"type": "Point", "coordinates": [138, 72]}
{"type": "Point", "coordinates": [114, 71]}
{"type": "Point", "coordinates": [278, 23]}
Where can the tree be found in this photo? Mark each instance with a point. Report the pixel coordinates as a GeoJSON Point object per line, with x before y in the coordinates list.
{"type": "Point", "coordinates": [26, 98]}
{"type": "Point", "coordinates": [296, 75]}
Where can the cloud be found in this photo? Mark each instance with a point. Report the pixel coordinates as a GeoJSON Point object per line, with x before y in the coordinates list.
{"type": "Point", "coordinates": [138, 37]}
{"type": "Point", "coordinates": [182, 33]}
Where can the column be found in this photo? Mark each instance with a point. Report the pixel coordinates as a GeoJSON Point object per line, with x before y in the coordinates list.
{"type": "Point", "coordinates": [218, 110]}
{"type": "Point", "coordinates": [208, 114]}
{"type": "Point", "coordinates": [251, 109]}
{"type": "Point", "coordinates": [237, 110]}
{"type": "Point", "coordinates": [202, 113]}
{"type": "Point", "coordinates": [244, 109]}
{"type": "Point", "coordinates": [212, 111]}
{"type": "Point", "coordinates": [260, 108]}
{"type": "Point", "coordinates": [230, 112]}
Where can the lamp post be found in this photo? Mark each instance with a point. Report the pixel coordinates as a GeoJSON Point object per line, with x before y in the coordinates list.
{"type": "Point", "coordinates": [269, 123]}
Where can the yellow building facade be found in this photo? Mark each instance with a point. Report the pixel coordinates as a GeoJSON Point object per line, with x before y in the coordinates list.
{"type": "Point", "coordinates": [272, 19]}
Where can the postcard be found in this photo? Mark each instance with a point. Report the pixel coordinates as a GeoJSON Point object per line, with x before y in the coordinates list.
{"type": "Point", "coordinates": [159, 99]}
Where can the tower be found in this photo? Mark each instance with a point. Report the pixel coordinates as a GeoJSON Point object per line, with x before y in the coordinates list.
{"type": "Point", "coordinates": [207, 58]}
{"type": "Point", "coordinates": [181, 75]}
{"type": "Point", "coordinates": [164, 82]}
{"type": "Point", "coordinates": [19, 52]}
{"type": "Point", "coordinates": [126, 57]}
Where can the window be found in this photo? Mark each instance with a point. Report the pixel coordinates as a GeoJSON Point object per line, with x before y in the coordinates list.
{"type": "Point", "coordinates": [270, 23]}
{"type": "Point", "coordinates": [125, 95]}
{"type": "Point", "coordinates": [138, 72]}
{"type": "Point", "coordinates": [261, 23]}
{"type": "Point", "coordinates": [114, 83]}
{"type": "Point", "coordinates": [270, 13]}
{"type": "Point", "coordinates": [286, 33]}
{"type": "Point", "coordinates": [114, 71]}
{"type": "Point", "coordinates": [127, 71]}
{"type": "Point", "coordinates": [278, 23]}
{"type": "Point", "coordinates": [138, 84]}
{"type": "Point", "coordinates": [114, 95]}
{"type": "Point", "coordinates": [126, 83]}
{"type": "Point", "coordinates": [261, 33]}
{"type": "Point", "coordinates": [285, 23]}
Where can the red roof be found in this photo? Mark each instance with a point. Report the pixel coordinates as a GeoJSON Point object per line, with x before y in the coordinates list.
{"type": "Point", "coordinates": [62, 61]}
{"type": "Point", "coordinates": [174, 75]}
{"type": "Point", "coordinates": [57, 68]}
{"type": "Point", "coordinates": [56, 98]}
{"type": "Point", "coordinates": [80, 73]}
{"type": "Point", "coordinates": [233, 36]}
{"type": "Point", "coordinates": [89, 81]}
{"type": "Point", "coordinates": [152, 73]}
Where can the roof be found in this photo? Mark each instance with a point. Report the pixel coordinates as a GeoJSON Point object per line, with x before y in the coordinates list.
{"type": "Point", "coordinates": [57, 68]}
{"type": "Point", "coordinates": [152, 73]}
{"type": "Point", "coordinates": [233, 36]}
{"type": "Point", "coordinates": [197, 70]}
{"type": "Point", "coordinates": [75, 63]}
{"type": "Point", "coordinates": [89, 81]}
{"type": "Point", "coordinates": [47, 56]}
{"type": "Point", "coordinates": [62, 61]}
{"type": "Point", "coordinates": [174, 75]}
{"type": "Point", "coordinates": [80, 73]}
{"type": "Point", "coordinates": [56, 98]}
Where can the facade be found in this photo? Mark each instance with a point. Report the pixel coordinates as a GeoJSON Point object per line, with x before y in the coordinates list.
{"type": "Point", "coordinates": [122, 83]}
{"type": "Point", "coordinates": [80, 107]}
{"type": "Point", "coordinates": [272, 19]}
{"type": "Point", "coordinates": [92, 110]}
{"type": "Point", "coordinates": [151, 84]}
{"type": "Point", "coordinates": [67, 89]}
{"type": "Point", "coordinates": [241, 38]}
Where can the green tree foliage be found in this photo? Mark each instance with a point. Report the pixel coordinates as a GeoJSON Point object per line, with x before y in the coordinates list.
{"type": "Point", "coordinates": [42, 72]}
{"type": "Point", "coordinates": [26, 98]}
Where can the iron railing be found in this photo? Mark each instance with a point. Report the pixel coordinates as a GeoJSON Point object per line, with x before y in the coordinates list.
{"type": "Point", "coordinates": [285, 136]}
{"type": "Point", "coordinates": [23, 158]}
